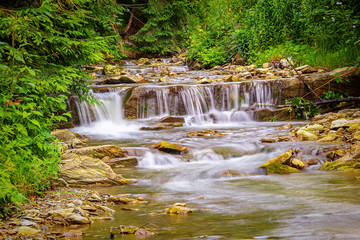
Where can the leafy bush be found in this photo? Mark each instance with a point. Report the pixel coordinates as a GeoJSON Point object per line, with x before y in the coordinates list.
{"type": "Point", "coordinates": [42, 50]}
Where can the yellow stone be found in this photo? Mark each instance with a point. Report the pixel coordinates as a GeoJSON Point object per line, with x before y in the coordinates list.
{"type": "Point", "coordinates": [282, 158]}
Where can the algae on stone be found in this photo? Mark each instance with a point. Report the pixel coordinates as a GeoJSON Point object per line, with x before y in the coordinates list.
{"type": "Point", "coordinates": [281, 159]}
{"type": "Point", "coordinates": [278, 168]}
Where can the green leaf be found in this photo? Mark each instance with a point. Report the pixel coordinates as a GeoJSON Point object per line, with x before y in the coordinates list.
{"type": "Point", "coordinates": [35, 122]}
{"type": "Point", "coordinates": [26, 114]}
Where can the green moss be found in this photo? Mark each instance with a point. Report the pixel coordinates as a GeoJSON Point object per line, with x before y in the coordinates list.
{"type": "Point", "coordinates": [278, 168]}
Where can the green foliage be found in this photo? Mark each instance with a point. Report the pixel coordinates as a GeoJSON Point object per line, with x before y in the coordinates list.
{"type": "Point", "coordinates": [42, 50]}
{"type": "Point", "coordinates": [319, 33]}
{"type": "Point", "coordinates": [302, 108]}
{"type": "Point", "coordinates": [164, 30]}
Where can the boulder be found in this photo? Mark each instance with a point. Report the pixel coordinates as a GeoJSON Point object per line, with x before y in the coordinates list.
{"type": "Point", "coordinates": [178, 208]}
{"type": "Point", "coordinates": [307, 136]}
{"type": "Point", "coordinates": [123, 162]}
{"type": "Point", "coordinates": [143, 61]}
{"type": "Point", "coordinates": [281, 159]}
{"type": "Point", "coordinates": [268, 140]}
{"type": "Point", "coordinates": [312, 161]}
{"type": "Point", "coordinates": [343, 123]}
{"type": "Point", "coordinates": [74, 218]}
{"type": "Point", "coordinates": [172, 119]}
{"type": "Point", "coordinates": [278, 168]}
{"type": "Point", "coordinates": [315, 128]}
{"type": "Point", "coordinates": [60, 212]}
{"type": "Point", "coordinates": [117, 80]}
{"type": "Point", "coordinates": [170, 147]}
{"type": "Point", "coordinates": [69, 138]}
{"type": "Point", "coordinates": [24, 231]}
{"type": "Point", "coordinates": [328, 138]}
{"type": "Point", "coordinates": [296, 163]}
{"type": "Point", "coordinates": [83, 170]}
{"type": "Point", "coordinates": [112, 70]}
{"type": "Point", "coordinates": [111, 151]}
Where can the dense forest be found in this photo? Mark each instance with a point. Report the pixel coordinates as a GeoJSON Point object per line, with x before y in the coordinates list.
{"type": "Point", "coordinates": [45, 43]}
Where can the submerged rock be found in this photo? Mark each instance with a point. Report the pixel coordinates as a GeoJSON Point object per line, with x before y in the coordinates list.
{"type": "Point", "coordinates": [137, 231]}
{"type": "Point", "coordinates": [125, 199]}
{"type": "Point", "coordinates": [178, 208]}
{"type": "Point", "coordinates": [170, 147]}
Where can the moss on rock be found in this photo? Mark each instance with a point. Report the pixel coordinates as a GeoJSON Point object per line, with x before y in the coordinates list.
{"type": "Point", "coordinates": [278, 168]}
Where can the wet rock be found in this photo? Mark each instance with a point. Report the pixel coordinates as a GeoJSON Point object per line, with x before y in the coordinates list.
{"type": "Point", "coordinates": [281, 159]}
{"type": "Point", "coordinates": [328, 138]}
{"type": "Point", "coordinates": [172, 119]}
{"type": "Point", "coordinates": [170, 147]}
{"type": "Point", "coordinates": [307, 136]}
{"type": "Point", "coordinates": [27, 223]}
{"type": "Point", "coordinates": [124, 162]}
{"type": "Point", "coordinates": [231, 173]}
{"type": "Point", "coordinates": [83, 170]}
{"type": "Point", "coordinates": [315, 128]}
{"type": "Point", "coordinates": [140, 232]}
{"type": "Point", "coordinates": [286, 126]}
{"type": "Point", "coordinates": [296, 163]}
{"type": "Point", "coordinates": [116, 80]}
{"type": "Point", "coordinates": [125, 199]}
{"type": "Point", "coordinates": [74, 218]}
{"type": "Point", "coordinates": [69, 138]}
{"type": "Point", "coordinates": [112, 70]}
{"type": "Point", "coordinates": [24, 231]}
{"type": "Point", "coordinates": [268, 140]}
{"type": "Point", "coordinates": [343, 123]}
{"type": "Point", "coordinates": [312, 161]}
{"type": "Point", "coordinates": [111, 151]}
{"type": "Point", "coordinates": [278, 168]}
{"type": "Point", "coordinates": [143, 61]}
{"type": "Point", "coordinates": [203, 81]}
{"type": "Point", "coordinates": [157, 127]}
{"type": "Point", "coordinates": [178, 208]}
{"type": "Point", "coordinates": [61, 212]}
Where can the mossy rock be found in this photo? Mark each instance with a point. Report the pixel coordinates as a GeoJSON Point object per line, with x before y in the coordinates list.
{"type": "Point", "coordinates": [170, 147]}
{"type": "Point", "coordinates": [178, 208]}
{"type": "Point", "coordinates": [281, 159]}
{"type": "Point", "coordinates": [340, 165]}
{"type": "Point", "coordinates": [278, 168]}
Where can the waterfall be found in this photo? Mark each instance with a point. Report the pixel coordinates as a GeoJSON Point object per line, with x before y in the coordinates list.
{"type": "Point", "coordinates": [217, 103]}
{"type": "Point", "coordinates": [109, 109]}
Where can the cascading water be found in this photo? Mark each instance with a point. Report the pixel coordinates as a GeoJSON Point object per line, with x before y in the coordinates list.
{"type": "Point", "coordinates": [220, 176]}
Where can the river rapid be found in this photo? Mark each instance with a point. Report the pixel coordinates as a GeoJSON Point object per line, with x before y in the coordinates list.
{"type": "Point", "coordinates": [251, 205]}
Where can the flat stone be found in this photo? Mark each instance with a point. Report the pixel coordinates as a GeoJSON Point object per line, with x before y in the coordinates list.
{"type": "Point", "coordinates": [74, 218]}
{"type": "Point", "coordinates": [343, 123]}
{"type": "Point", "coordinates": [23, 231]}
{"type": "Point", "coordinates": [307, 135]}
{"type": "Point", "coordinates": [170, 147]}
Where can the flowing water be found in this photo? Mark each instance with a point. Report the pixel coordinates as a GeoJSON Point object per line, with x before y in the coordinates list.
{"type": "Point", "coordinates": [252, 205]}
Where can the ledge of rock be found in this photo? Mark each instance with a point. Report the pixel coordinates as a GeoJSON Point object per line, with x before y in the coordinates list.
{"type": "Point", "coordinates": [110, 151]}
{"type": "Point", "coordinates": [83, 170]}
